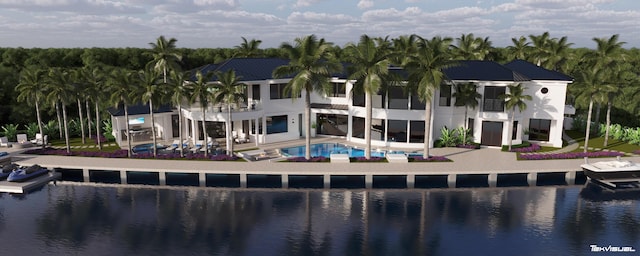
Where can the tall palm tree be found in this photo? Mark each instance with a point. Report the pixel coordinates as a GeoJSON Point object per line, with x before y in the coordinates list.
{"type": "Point", "coordinates": [466, 95]}
{"type": "Point", "coordinates": [30, 90]}
{"type": "Point", "coordinates": [248, 49]}
{"type": "Point", "coordinates": [201, 90]}
{"type": "Point", "coordinates": [514, 98]}
{"type": "Point", "coordinates": [151, 90]}
{"type": "Point", "coordinates": [425, 76]}
{"type": "Point", "coordinates": [404, 46]}
{"type": "Point", "coordinates": [559, 54]}
{"type": "Point", "coordinates": [588, 83]}
{"type": "Point", "coordinates": [230, 91]}
{"type": "Point", "coordinates": [95, 81]}
{"type": "Point", "coordinates": [79, 87]}
{"type": "Point", "coordinates": [120, 85]}
{"type": "Point", "coordinates": [540, 49]}
{"type": "Point", "coordinates": [469, 47]}
{"type": "Point", "coordinates": [520, 48]}
{"type": "Point", "coordinates": [370, 61]}
{"type": "Point", "coordinates": [179, 94]}
{"type": "Point", "coordinates": [607, 56]}
{"type": "Point", "coordinates": [59, 89]}
{"type": "Point", "coordinates": [165, 56]}
{"type": "Point", "coordinates": [313, 64]}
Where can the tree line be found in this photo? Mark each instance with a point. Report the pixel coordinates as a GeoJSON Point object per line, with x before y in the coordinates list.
{"type": "Point", "coordinates": [605, 77]}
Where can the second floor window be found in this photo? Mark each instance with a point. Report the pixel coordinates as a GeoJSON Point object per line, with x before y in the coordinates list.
{"type": "Point", "coordinates": [338, 90]}
{"type": "Point", "coordinates": [445, 95]}
{"type": "Point", "coordinates": [492, 101]}
{"type": "Point", "coordinates": [276, 91]}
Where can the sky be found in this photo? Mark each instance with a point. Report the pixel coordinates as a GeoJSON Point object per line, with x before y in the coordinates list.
{"type": "Point", "coordinates": [223, 23]}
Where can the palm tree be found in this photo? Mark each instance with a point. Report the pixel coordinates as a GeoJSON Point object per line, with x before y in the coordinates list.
{"type": "Point", "coordinates": [466, 95]}
{"type": "Point", "coordinates": [30, 90]}
{"type": "Point", "coordinates": [588, 83]}
{"type": "Point", "coordinates": [201, 91]}
{"type": "Point", "coordinates": [95, 81]}
{"type": "Point", "coordinates": [79, 89]}
{"type": "Point", "coordinates": [425, 76]}
{"type": "Point", "coordinates": [179, 94]}
{"type": "Point", "coordinates": [370, 61]}
{"type": "Point", "coordinates": [404, 46]}
{"type": "Point", "coordinates": [469, 47]}
{"type": "Point", "coordinates": [120, 86]}
{"type": "Point", "coordinates": [165, 56]}
{"type": "Point", "coordinates": [519, 49]}
{"type": "Point", "coordinates": [607, 56]}
{"type": "Point", "coordinates": [540, 49]}
{"type": "Point", "coordinates": [513, 99]}
{"type": "Point", "coordinates": [248, 49]}
{"type": "Point", "coordinates": [313, 64]}
{"type": "Point", "coordinates": [60, 90]}
{"type": "Point", "coordinates": [151, 91]}
{"type": "Point", "coordinates": [230, 91]}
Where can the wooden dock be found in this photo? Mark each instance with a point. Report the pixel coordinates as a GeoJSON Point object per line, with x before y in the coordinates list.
{"type": "Point", "coordinates": [26, 186]}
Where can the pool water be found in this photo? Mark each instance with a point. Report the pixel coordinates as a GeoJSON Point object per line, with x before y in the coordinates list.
{"type": "Point", "coordinates": [146, 148]}
{"type": "Point", "coordinates": [326, 149]}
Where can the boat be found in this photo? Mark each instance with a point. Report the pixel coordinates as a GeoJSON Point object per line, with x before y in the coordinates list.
{"type": "Point", "coordinates": [6, 170]}
{"type": "Point", "coordinates": [612, 171]}
{"type": "Point", "coordinates": [25, 173]}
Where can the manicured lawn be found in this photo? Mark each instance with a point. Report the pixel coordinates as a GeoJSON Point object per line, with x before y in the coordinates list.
{"type": "Point", "coordinates": [90, 143]}
{"type": "Point", "coordinates": [598, 142]}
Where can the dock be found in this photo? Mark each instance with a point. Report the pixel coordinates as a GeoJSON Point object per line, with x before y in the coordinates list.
{"type": "Point", "coordinates": [26, 186]}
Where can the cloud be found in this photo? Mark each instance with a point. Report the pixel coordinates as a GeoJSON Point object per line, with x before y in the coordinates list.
{"type": "Point", "coordinates": [305, 3]}
{"type": "Point", "coordinates": [365, 4]}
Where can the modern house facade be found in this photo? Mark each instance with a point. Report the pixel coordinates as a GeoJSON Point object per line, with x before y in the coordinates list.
{"type": "Point", "coordinates": [269, 114]}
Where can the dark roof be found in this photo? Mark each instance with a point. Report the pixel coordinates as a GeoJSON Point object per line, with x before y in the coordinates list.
{"type": "Point", "coordinates": [251, 69]}
{"type": "Point", "coordinates": [534, 72]}
{"type": "Point", "coordinates": [248, 69]}
{"type": "Point", "coordinates": [255, 69]}
{"type": "Point", "coordinates": [482, 71]}
{"type": "Point", "coordinates": [138, 109]}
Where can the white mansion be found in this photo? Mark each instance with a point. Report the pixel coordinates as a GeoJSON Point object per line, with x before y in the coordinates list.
{"type": "Point", "coordinates": [269, 115]}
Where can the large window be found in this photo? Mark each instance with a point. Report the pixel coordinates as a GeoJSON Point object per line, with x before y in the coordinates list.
{"type": "Point", "coordinates": [331, 124]}
{"type": "Point", "coordinates": [397, 98]}
{"type": "Point", "coordinates": [445, 95]}
{"type": "Point", "coordinates": [416, 132]}
{"type": "Point", "coordinates": [539, 129]}
{"type": "Point", "coordinates": [416, 103]}
{"type": "Point", "coordinates": [397, 131]}
{"type": "Point", "coordinates": [277, 124]}
{"type": "Point", "coordinates": [492, 101]}
{"type": "Point", "coordinates": [276, 91]}
{"type": "Point", "coordinates": [255, 92]}
{"type": "Point", "coordinates": [377, 128]}
{"type": "Point", "coordinates": [514, 131]}
{"type": "Point", "coordinates": [338, 90]}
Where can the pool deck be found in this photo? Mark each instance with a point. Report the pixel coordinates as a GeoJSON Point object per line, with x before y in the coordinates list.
{"type": "Point", "coordinates": [484, 161]}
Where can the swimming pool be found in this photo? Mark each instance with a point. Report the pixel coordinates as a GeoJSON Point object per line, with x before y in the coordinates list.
{"type": "Point", "coordinates": [326, 149]}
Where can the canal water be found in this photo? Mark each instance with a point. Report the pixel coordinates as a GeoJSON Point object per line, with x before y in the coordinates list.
{"type": "Point", "coordinates": [111, 219]}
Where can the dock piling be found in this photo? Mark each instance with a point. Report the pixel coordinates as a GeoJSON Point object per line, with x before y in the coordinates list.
{"type": "Point", "coordinates": [451, 180]}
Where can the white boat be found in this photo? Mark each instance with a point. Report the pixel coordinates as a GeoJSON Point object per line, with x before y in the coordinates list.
{"type": "Point", "coordinates": [614, 170]}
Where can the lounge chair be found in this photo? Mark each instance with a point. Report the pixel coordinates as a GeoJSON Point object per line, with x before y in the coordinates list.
{"type": "Point", "coordinates": [39, 140]}
{"type": "Point", "coordinates": [22, 138]}
{"type": "Point", "coordinates": [198, 145]}
{"type": "Point", "coordinates": [242, 138]}
{"type": "Point", "coordinates": [4, 142]}
{"type": "Point", "coordinates": [173, 146]}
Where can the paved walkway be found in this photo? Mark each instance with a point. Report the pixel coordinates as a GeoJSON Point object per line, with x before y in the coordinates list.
{"type": "Point", "coordinates": [465, 161]}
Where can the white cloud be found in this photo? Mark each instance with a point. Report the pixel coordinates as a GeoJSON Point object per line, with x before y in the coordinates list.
{"type": "Point", "coordinates": [365, 4]}
{"type": "Point", "coordinates": [305, 3]}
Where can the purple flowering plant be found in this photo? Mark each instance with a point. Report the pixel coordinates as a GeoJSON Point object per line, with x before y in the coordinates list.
{"type": "Point", "coordinates": [570, 155]}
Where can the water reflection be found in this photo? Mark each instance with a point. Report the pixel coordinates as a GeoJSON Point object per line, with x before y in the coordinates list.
{"type": "Point", "coordinates": [72, 219]}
